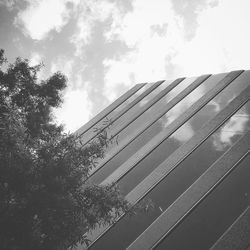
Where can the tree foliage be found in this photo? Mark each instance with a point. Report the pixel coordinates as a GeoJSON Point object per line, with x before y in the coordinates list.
{"type": "Point", "coordinates": [45, 201]}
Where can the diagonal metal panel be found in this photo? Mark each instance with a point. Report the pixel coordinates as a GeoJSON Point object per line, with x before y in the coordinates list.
{"type": "Point", "coordinates": [109, 109]}
{"type": "Point", "coordinates": [154, 118]}
{"type": "Point", "coordinates": [180, 154]}
{"type": "Point", "coordinates": [151, 103]}
{"type": "Point", "coordinates": [152, 144]}
{"type": "Point", "coordinates": [193, 196]}
{"type": "Point", "coordinates": [90, 136]}
{"type": "Point", "coordinates": [237, 236]}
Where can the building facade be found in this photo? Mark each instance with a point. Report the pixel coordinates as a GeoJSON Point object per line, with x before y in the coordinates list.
{"type": "Point", "coordinates": [183, 144]}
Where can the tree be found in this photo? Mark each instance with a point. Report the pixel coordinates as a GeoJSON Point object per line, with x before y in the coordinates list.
{"type": "Point", "coordinates": [46, 202]}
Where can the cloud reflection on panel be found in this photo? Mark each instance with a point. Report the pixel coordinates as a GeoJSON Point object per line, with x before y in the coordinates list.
{"type": "Point", "coordinates": [234, 128]}
{"type": "Point", "coordinates": [154, 93]}
{"type": "Point", "coordinates": [186, 131]}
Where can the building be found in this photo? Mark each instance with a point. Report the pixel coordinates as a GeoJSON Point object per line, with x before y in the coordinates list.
{"type": "Point", "coordinates": [185, 145]}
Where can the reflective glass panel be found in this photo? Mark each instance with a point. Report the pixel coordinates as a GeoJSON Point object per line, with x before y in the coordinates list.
{"type": "Point", "coordinates": [158, 126]}
{"type": "Point", "coordinates": [121, 108]}
{"type": "Point", "coordinates": [151, 113]}
{"type": "Point", "coordinates": [178, 138]}
{"type": "Point", "coordinates": [136, 108]}
{"type": "Point", "coordinates": [210, 219]}
{"type": "Point", "coordinates": [171, 187]}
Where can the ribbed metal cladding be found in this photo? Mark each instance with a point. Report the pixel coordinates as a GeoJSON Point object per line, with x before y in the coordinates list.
{"type": "Point", "coordinates": [89, 137]}
{"type": "Point", "coordinates": [154, 118]}
{"type": "Point", "coordinates": [150, 104]}
{"type": "Point", "coordinates": [109, 109]}
{"type": "Point", "coordinates": [237, 236]}
{"type": "Point", "coordinates": [180, 154]}
{"type": "Point", "coordinates": [178, 211]}
{"type": "Point", "coordinates": [150, 146]}
{"type": "Point", "coordinates": [167, 221]}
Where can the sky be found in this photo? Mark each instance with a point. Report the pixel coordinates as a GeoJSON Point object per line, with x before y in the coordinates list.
{"type": "Point", "coordinates": [105, 47]}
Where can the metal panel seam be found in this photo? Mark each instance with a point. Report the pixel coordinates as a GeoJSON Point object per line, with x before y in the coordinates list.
{"type": "Point", "coordinates": [79, 132]}
{"type": "Point", "coordinates": [149, 122]}
{"type": "Point", "coordinates": [149, 104]}
{"type": "Point", "coordinates": [229, 78]}
{"type": "Point", "coordinates": [129, 106]}
{"type": "Point", "coordinates": [187, 201]}
{"type": "Point", "coordinates": [158, 139]}
{"type": "Point", "coordinates": [182, 153]}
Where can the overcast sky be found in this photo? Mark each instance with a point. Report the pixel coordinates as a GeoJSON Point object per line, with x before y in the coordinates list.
{"type": "Point", "coordinates": [104, 47]}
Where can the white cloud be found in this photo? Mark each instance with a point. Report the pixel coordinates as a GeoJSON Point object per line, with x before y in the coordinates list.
{"type": "Point", "coordinates": [221, 42]}
{"type": "Point", "coordinates": [63, 64]}
{"type": "Point", "coordinates": [75, 110]}
{"type": "Point", "coordinates": [138, 24]}
{"type": "Point", "coordinates": [89, 12]}
{"type": "Point", "coordinates": [76, 107]}
{"type": "Point", "coordinates": [117, 75]}
{"type": "Point", "coordinates": [151, 31]}
{"type": "Point", "coordinates": [41, 17]}
{"type": "Point", "coordinates": [35, 58]}
{"type": "Point", "coordinates": [159, 48]}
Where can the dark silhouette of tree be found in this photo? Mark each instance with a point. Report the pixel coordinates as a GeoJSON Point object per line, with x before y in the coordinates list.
{"type": "Point", "coordinates": [45, 200]}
